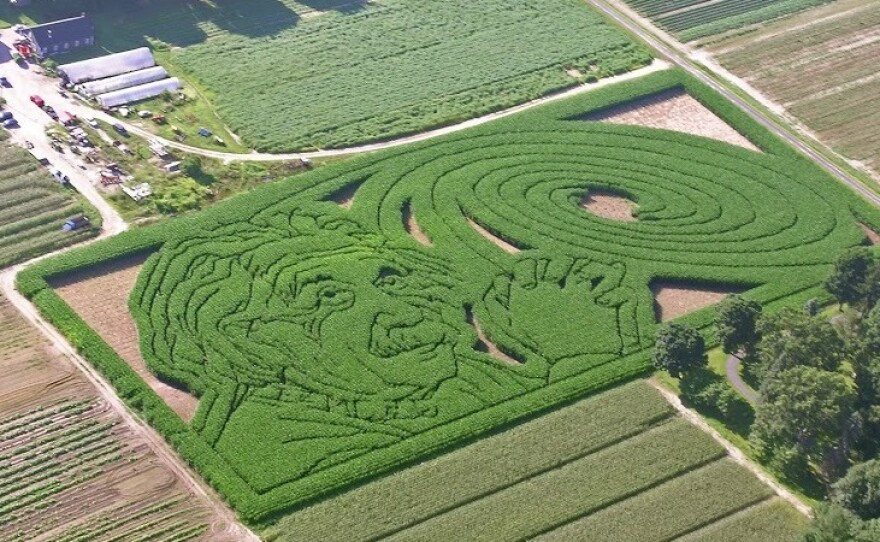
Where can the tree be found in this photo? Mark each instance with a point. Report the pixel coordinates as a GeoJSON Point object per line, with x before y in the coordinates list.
{"type": "Point", "coordinates": [736, 326]}
{"type": "Point", "coordinates": [853, 276]}
{"type": "Point", "coordinates": [832, 524]}
{"type": "Point", "coordinates": [859, 490]}
{"type": "Point", "coordinates": [679, 349]}
{"type": "Point", "coordinates": [792, 338]}
{"type": "Point", "coordinates": [808, 408]}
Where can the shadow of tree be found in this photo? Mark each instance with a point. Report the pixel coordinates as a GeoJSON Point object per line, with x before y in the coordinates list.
{"type": "Point", "coordinates": [712, 396]}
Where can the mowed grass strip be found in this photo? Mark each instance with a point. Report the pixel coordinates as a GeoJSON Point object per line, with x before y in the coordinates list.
{"type": "Point", "coordinates": [774, 520]}
{"type": "Point", "coordinates": [479, 469]}
{"type": "Point", "coordinates": [577, 488]}
{"type": "Point", "coordinates": [672, 509]}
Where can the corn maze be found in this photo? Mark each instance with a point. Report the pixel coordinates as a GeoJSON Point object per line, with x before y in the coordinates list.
{"type": "Point", "coordinates": [462, 289]}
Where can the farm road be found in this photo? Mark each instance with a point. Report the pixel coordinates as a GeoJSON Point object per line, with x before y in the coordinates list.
{"type": "Point", "coordinates": [735, 453]}
{"type": "Point", "coordinates": [695, 63]}
{"type": "Point", "coordinates": [28, 82]}
{"type": "Point", "coordinates": [731, 367]}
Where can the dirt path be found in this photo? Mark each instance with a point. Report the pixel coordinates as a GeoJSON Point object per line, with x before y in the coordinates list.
{"type": "Point", "coordinates": [735, 453]}
{"type": "Point", "coordinates": [732, 369]}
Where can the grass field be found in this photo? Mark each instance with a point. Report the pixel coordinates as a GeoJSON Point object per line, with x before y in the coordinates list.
{"type": "Point", "coordinates": [70, 470]}
{"type": "Point", "coordinates": [627, 448]}
{"type": "Point", "coordinates": [822, 66]}
{"type": "Point", "coordinates": [33, 207]}
{"type": "Point", "coordinates": [345, 72]}
{"type": "Point", "coordinates": [378, 310]}
{"type": "Point", "coordinates": [693, 19]}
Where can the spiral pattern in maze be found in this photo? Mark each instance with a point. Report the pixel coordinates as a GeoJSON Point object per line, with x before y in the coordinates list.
{"type": "Point", "coordinates": [721, 207]}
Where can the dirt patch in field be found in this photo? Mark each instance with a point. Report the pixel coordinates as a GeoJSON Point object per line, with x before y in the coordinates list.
{"type": "Point", "coordinates": [873, 236]}
{"type": "Point", "coordinates": [608, 205]}
{"type": "Point", "coordinates": [499, 242]}
{"type": "Point", "coordinates": [413, 228]}
{"type": "Point", "coordinates": [487, 346]}
{"type": "Point", "coordinates": [676, 110]}
{"type": "Point", "coordinates": [100, 296]}
{"type": "Point", "coordinates": [674, 299]}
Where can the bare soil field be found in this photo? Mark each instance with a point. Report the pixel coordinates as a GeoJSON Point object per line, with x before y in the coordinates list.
{"type": "Point", "coordinates": [610, 206]}
{"type": "Point", "coordinates": [821, 65]}
{"type": "Point", "coordinates": [674, 110]}
{"type": "Point", "coordinates": [100, 296]}
{"type": "Point", "coordinates": [672, 299]}
{"type": "Point", "coordinates": [69, 468]}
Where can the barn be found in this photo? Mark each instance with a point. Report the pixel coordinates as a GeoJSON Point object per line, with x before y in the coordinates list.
{"type": "Point", "coordinates": [61, 36]}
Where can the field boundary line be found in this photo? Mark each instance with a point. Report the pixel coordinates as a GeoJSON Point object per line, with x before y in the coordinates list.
{"type": "Point", "coordinates": [732, 451]}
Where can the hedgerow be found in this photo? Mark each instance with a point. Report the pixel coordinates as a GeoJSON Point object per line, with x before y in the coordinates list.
{"type": "Point", "coordinates": [330, 345]}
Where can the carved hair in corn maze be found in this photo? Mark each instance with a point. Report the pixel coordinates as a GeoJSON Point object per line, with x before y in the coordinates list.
{"type": "Point", "coordinates": [463, 274]}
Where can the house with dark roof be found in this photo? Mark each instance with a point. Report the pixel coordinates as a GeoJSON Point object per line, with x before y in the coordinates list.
{"type": "Point", "coordinates": [61, 36]}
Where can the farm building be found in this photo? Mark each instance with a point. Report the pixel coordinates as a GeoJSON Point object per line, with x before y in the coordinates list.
{"type": "Point", "coordinates": [61, 36]}
{"type": "Point", "coordinates": [140, 92]}
{"type": "Point", "coordinates": [126, 80]}
{"type": "Point", "coordinates": [107, 66]}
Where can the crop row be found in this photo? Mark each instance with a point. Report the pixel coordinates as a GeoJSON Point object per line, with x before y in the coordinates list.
{"type": "Point", "coordinates": [306, 379]}
{"type": "Point", "coordinates": [32, 209]}
{"type": "Point", "coordinates": [558, 496]}
{"type": "Point", "coordinates": [461, 63]}
{"type": "Point", "coordinates": [481, 468]}
{"type": "Point", "coordinates": [696, 20]}
{"type": "Point", "coordinates": [672, 509]}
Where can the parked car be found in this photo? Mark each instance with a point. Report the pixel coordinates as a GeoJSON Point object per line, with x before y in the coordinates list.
{"type": "Point", "coordinates": [76, 223]}
{"type": "Point", "coordinates": [4, 81]}
{"type": "Point", "coordinates": [93, 123]}
{"type": "Point", "coordinates": [51, 112]}
{"type": "Point", "coordinates": [39, 102]}
{"type": "Point", "coordinates": [5, 115]}
{"type": "Point", "coordinates": [10, 123]}
{"type": "Point", "coordinates": [120, 128]}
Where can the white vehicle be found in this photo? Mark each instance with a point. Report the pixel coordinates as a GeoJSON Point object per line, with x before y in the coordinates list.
{"type": "Point", "coordinates": [92, 122]}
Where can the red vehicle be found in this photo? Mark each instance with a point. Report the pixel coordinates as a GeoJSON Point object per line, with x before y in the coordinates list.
{"type": "Point", "coordinates": [38, 101]}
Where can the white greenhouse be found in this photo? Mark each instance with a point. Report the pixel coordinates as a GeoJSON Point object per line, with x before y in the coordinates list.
{"type": "Point", "coordinates": [107, 66]}
{"type": "Point", "coordinates": [140, 92]}
{"type": "Point", "coordinates": [126, 80]}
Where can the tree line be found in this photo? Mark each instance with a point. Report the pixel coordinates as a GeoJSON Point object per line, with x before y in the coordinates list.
{"type": "Point", "coordinates": [817, 416]}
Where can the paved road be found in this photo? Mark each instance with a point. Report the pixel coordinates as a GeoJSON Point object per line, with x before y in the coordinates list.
{"type": "Point", "coordinates": [682, 57]}
{"type": "Point", "coordinates": [732, 369]}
